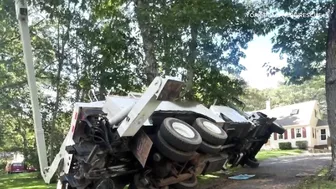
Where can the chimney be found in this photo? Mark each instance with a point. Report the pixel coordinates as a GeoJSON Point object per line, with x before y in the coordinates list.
{"type": "Point", "coordinates": [268, 104]}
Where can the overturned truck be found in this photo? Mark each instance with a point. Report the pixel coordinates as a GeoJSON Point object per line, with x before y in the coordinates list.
{"type": "Point", "coordinates": [150, 141]}
{"type": "Point", "coordinates": [147, 140]}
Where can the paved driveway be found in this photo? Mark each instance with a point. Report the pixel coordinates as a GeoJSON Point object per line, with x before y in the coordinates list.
{"type": "Point", "coordinates": [278, 173]}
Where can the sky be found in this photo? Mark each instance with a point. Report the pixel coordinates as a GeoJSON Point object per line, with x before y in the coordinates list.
{"type": "Point", "coordinates": [258, 52]}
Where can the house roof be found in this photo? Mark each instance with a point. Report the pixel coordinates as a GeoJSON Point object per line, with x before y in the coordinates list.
{"type": "Point", "coordinates": [321, 123]}
{"type": "Point", "coordinates": [295, 114]}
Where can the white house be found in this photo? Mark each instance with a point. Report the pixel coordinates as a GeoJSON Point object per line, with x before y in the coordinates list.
{"type": "Point", "coordinates": [302, 122]}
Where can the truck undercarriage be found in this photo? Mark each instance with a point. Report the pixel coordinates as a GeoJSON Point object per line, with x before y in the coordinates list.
{"type": "Point", "coordinates": [169, 152]}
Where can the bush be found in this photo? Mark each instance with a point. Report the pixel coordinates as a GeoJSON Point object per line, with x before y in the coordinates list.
{"type": "Point", "coordinates": [3, 163]}
{"type": "Point", "coordinates": [303, 145]}
{"type": "Point", "coordinates": [285, 145]}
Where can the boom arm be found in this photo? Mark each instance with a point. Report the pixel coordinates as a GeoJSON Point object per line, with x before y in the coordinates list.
{"type": "Point", "coordinates": [22, 16]}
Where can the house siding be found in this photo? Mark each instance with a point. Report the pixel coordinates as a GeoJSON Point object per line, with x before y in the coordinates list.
{"type": "Point", "coordinates": [308, 118]}
{"type": "Point", "coordinates": [290, 136]}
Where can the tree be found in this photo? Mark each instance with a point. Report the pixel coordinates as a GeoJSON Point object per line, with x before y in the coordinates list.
{"type": "Point", "coordinates": [119, 45]}
{"type": "Point", "coordinates": [16, 119]}
{"type": "Point", "coordinates": [192, 40]}
{"type": "Point", "coordinates": [307, 35]}
{"type": "Point", "coordinates": [313, 89]}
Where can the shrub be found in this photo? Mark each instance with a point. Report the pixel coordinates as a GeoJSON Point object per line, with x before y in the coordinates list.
{"type": "Point", "coordinates": [285, 145]}
{"type": "Point", "coordinates": [303, 145]}
{"type": "Point", "coordinates": [3, 163]}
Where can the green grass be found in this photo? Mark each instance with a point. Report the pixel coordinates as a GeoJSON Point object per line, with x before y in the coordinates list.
{"type": "Point", "coordinates": [266, 154]}
{"type": "Point", "coordinates": [319, 181]}
{"type": "Point", "coordinates": [23, 181]}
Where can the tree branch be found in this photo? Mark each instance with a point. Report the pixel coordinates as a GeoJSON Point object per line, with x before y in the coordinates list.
{"type": "Point", "coordinates": [19, 83]}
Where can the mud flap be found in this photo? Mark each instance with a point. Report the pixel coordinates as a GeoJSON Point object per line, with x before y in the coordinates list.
{"type": "Point", "coordinates": [140, 146]}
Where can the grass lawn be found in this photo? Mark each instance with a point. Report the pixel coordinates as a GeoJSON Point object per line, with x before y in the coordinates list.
{"type": "Point", "coordinates": [266, 154]}
{"type": "Point", "coordinates": [319, 181]}
{"type": "Point", "coordinates": [23, 181]}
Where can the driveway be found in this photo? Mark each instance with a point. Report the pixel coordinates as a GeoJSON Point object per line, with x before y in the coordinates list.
{"type": "Point", "coordinates": [277, 173]}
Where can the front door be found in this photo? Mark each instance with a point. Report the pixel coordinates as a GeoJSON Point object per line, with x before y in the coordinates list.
{"type": "Point", "coordinates": [322, 137]}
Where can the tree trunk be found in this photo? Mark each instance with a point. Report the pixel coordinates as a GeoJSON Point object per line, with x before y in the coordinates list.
{"type": "Point", "coordinates": [143, 18]}
{"type": "Point", "coordinates": [102, 89]}
{"type": "Point", "coordinates": [191, 61]}
{"type": "Point", "coordinates": [77, 85]}
{"type": "Point", "coordinates": [331, 87]}
{"type": "Point", "coordinates": [60, 54]}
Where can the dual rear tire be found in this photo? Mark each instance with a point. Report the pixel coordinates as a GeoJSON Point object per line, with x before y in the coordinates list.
{"type": "Point", "coordinates": [177, 140]}
{"type": "Point", "coordinates": [213, 136]}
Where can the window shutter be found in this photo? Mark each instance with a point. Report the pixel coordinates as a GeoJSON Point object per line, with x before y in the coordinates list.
{"type": "Point", "coordinates": [304, 133]}
{"type": "Point", "coordinates": [286, 134]}
{"type": "Point", "coordinates": [275, 136]}
{"type": "Point", "coordinates": [292, 133]}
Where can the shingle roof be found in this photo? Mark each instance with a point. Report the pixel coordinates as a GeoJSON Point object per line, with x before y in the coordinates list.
{"type": "Point", "coordinates": [321, 123]}
{"type": "Point", "coordinates": [295, 114]}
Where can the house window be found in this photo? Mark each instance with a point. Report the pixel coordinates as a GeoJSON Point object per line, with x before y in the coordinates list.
{"type": "Point", "coordinates": [323, 134]}
{"type": "Point", "coordinates": [294, 112]}
{"type": "Point", "coordinates": [281, 136]}
{"type": "Point", "coordinates": [298, 133]}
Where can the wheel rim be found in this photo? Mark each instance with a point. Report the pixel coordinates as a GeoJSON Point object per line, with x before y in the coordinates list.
{"type": "Point", "coordinates": [212, 127]}
{"type": "Point", "coordinates": [183, 130]}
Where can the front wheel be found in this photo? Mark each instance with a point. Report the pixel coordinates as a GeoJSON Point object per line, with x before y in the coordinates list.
{"type": "Point", "coordinates": [252, 162]}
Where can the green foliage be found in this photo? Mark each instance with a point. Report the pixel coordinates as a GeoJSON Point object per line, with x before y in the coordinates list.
{"type": "Point", "coordinates": [302, 144]}
{"type": "Point", "coordinates": [301, 38]}
{"type": "Point", "coordinates": [285, 145]}
{"type": "Point", "coordinates": [313, 89]}
{"type": "Point", "coordinates": [107, 45]}
{"type": "Point", "coordinates": [3, 163]}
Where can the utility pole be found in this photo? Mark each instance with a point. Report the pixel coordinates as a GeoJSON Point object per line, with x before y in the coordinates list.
{"type": "Point", "coordinates": [22, 17]}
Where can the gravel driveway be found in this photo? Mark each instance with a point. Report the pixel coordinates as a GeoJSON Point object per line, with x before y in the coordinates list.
{"type": "Point", "coordinates": [277, 173]}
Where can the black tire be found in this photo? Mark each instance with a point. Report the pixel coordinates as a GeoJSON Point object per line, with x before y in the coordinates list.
{"type": "Point", "coordinates": [253, 163]}
{"type": "Point", "coordinates": [187, 184]}
{"type": "Point", "coordinates": [209, 148]}
{"type": "Point", "coordinates": [170, 152]}
{"type": "Point", "coordinates": [210, 136]}
{"type": "Point", "coordinates": [177, 140]}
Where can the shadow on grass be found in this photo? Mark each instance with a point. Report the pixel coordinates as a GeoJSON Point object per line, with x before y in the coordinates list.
{"type": "Point", "coordinates": [23, 181]}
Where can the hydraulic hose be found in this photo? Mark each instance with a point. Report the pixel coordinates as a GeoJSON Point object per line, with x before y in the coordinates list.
{"type": "Point", "coordinates": [120, 116]}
